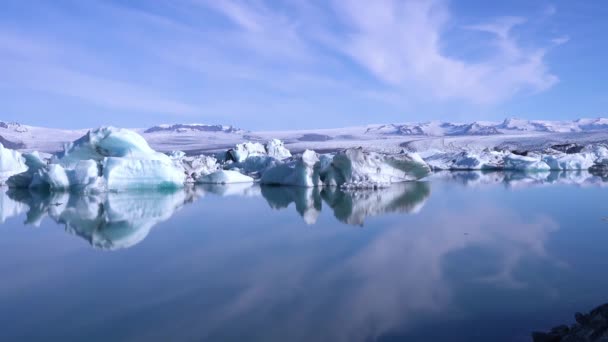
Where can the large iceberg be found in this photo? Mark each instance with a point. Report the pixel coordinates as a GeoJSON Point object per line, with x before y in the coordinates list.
{"type": "Point", "coordinates": [359, 169]}
{"type": "Point", "coordinates": [104, 159]}
{"type": "Point", "coordinates": [353, 168]}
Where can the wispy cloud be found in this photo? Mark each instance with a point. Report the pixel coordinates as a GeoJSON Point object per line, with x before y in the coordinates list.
{"type": "Point", "coordinates": [187, 56]}
{"type": "Point", "coordinates": [401, 44]}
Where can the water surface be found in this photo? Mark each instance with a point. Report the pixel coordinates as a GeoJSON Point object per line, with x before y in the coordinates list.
{"type": "Point", "coordinates": [461, 257]}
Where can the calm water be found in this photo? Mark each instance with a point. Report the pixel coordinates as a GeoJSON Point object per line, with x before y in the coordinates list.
{"type": "Point", "coordinates": [463, 258]}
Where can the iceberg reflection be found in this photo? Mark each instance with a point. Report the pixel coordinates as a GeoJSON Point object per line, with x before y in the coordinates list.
{"type": "Point", "coordinates": [106, 220]}
{"type": "Point", "coordinates": [349, 206]}
{"type": "Point", "coordinates": [521, 179]}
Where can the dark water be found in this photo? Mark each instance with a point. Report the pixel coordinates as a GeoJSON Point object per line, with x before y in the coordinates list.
{"type": "Point", "coordinates": [464, 257]}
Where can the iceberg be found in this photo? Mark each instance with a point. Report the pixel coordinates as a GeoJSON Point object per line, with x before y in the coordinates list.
{"type": "Point", "coordinates": [104, 159]}
{"type": "Point", "coordinates": [224, 177]}
{"type": "Point", "coordinates": [352, 168]}
{"type": "Point", "coordinates": [245, 150]}
{"type": "Point", "coordinates": [276, 149]}
{"type": "Point", "coordinates": [466, 160]}
{"type": "Point", "coordinates": [570, 162]}
{"type": "Point", "coordinates": [254, 166]}
{"type": "Point", "coordinates": [515, 162]}
{"type": "Point", "coordinates": [355, 168]}
{"type": "Point", "coordinates": [124, 173]}
{"type": "Point", "coordinates": [11, 163]}
{"type": "Point", "coordinates": [303, 171]}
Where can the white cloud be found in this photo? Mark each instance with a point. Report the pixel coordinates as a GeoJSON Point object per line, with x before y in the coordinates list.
{"type": "Point", "coordinates": [401, 44]}
{"type": "Point", "coordinates": [363, 53]}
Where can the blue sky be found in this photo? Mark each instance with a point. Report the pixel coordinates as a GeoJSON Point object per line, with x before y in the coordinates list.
{"type": "Point", "coordinates": [300, 64]}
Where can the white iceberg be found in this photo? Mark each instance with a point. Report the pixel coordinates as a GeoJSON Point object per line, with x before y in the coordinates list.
{"type": "Point", "coordinates": [276, 149]}
{"type": "Point", "coordinates": [104, 159]}
{"type": "Point", "coordinates": [224, 177]}
{"type": "Point", "coordinates": [356, 168]}
{"type": "Point", "coordinates": [352, 168]}
{"type": "Point", "coordinates": [303, 171]}
{"type": "Point", "coordinates": [517, 162]}
{"type": "Point", "coordinates": [273, 148]}
{"type": "Point", "coordinates": [254, 166]}
{"type": "Point", "coordinates": [570, 162]}
{"type": "Point", "coordinates": [125, 173]}
{"type": "Point", "coordinates": [11, 163]}
{"type": "Point", "coordinates": [245, 150]}
{"type": "Point", "coordinates": [466, 160]}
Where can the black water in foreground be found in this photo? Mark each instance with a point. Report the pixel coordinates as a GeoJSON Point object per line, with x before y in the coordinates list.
{"type": "Point", "coordinates": [465, 257]}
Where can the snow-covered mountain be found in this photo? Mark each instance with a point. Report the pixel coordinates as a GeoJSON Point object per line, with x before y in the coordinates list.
{"type": "Point", "coordinates": [508, 126]}
{"type": "Point", "coordinates": [392, 138]}
{"type": "Point", "coordinates": [182, 128]}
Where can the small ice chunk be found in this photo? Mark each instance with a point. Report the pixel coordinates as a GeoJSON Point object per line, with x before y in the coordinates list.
{"type": "Point", "coordinates": [224, 177]}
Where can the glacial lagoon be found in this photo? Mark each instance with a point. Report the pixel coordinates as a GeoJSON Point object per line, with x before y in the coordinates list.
{"type": "Point", "coordinates": [462, 256]}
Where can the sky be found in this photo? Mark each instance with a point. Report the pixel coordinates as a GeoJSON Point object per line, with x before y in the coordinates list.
{"type": "Point", "coordinates": [292, 64]}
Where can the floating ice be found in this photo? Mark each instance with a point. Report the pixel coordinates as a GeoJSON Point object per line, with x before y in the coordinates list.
{"type": "Point", "coordinates": [246, 150]}
{"type": "Point", "coordinates": [124, 173]}
{"type": "Point", "coordinates": [11, 163]}
{"type": "Point", "coordinates": [104, 159]}
{"type": "Point", "coordinates": [351, 168]}
{"type": "Point", "coordinates": [254, 166]}
{"type": "Point", "coordinates": [224, 177]}
{"type": "Point", "coordinates": [303, 171]}
{"type": "Point", "coordinates": [275, 148]}
{"type": "Point", "coordinates": [359, 169]}
{"type": "Point", "coordinates": [466, 160]}
{"type": "Point", "coordinates": [517, 162]}
{"type": "Point", "coordinates": [195, 167]}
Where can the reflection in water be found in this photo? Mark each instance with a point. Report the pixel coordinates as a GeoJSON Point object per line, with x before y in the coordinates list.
{"type": "Point", "coordinates": [107, 220]}
{"type": "Point", "coordinates": [516, 179]}
{"type": "Point", "coordinates": [349, 206]}
{"type": "Point", "coordinates": [471, 262]}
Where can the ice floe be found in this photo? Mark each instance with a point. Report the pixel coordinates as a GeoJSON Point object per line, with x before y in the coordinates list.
{"type": "Point", "coordinates": [11, 163]}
